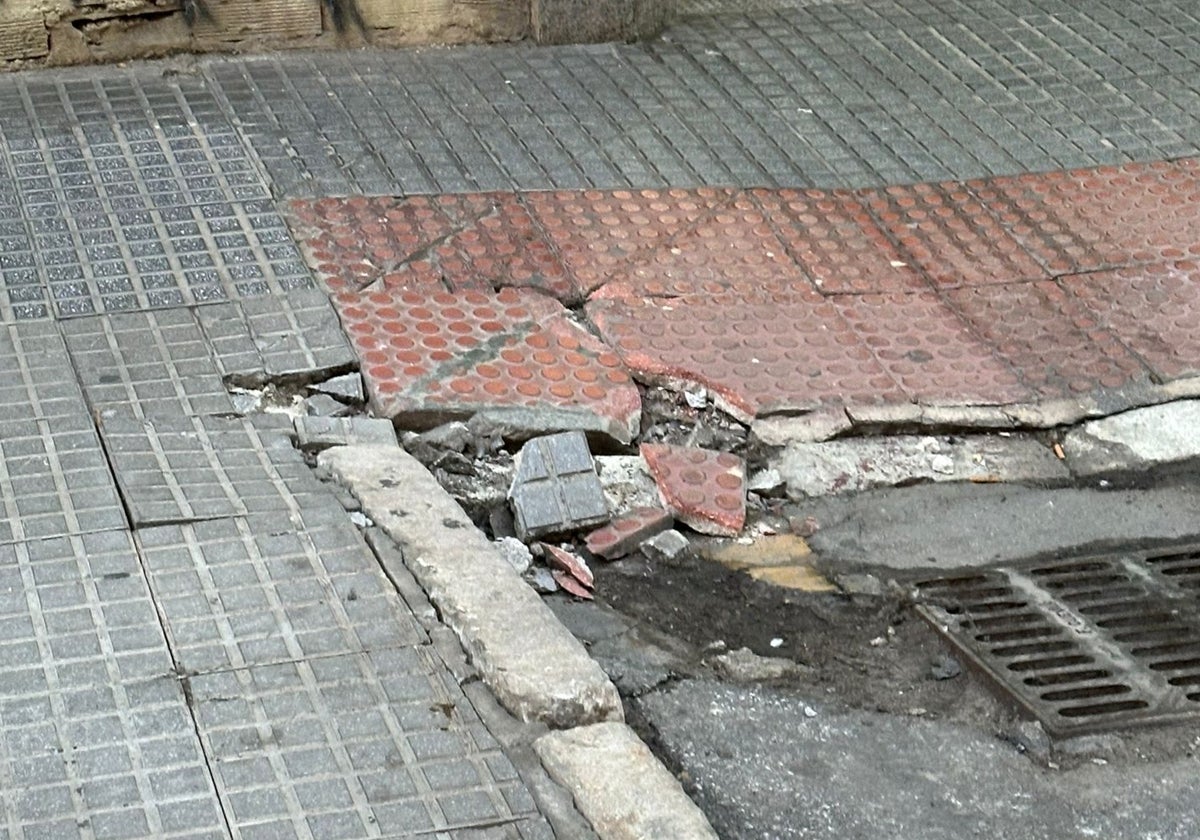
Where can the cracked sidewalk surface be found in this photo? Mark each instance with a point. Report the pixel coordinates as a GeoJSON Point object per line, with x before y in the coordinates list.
{"type": "Point", "coordinates": [193, 638]}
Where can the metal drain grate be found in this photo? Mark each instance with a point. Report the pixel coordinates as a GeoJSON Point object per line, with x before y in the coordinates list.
{"type": "Point", "coordinates": [1085, 644]}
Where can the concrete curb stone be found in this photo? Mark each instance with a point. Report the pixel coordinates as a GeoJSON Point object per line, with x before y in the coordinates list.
{"type": "Point", "coordinates": [620, 786]}
{"type": "Point", "coordinates": [1152, 438]}
{"type": "Point", "coordinates": [537, 669]}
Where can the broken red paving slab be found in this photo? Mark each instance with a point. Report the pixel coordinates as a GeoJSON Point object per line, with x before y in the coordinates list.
{"type": "Point", "coordinates": [760, 357]}
{"type": "Point", "coordinates": [1154, 310]}
{"type": "Point", "coordinates": [837, 243]}
{"type": "Point", "coordinates": [514, 355]}
{"type": "Point", "coordinates": [1047, 335]}
{"type": "Point", "coordinates": [926, 347]}
{"type": "Point", "coordinates": [948, 234]}
{"type": "Point", "coordinates": [1093, 219]}
{"type": "Point", "coordinates": [734, 248]}
{"type": "Point", "coordinates": [705, 490]}
{"type": "Point", "coordinates": [624, 534]}
{"type": "Point", "coordinates": [599, 234]}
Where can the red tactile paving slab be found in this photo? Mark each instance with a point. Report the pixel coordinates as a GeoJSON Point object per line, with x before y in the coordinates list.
{"type": "Point", "coordinates": [504, 247]}
{"type": "Point", "coordinates": [705, 490]}
{"type": "Point", "coordinates": [354, 242]}
{"type": "Point", "coordinates": [573, 565]}
{"type": "Point", "coordinates": [598, 234]}
{"type": "Point", "coordinates": [930, 350]}
{"type": "Point", "coordinates": [1153, 309]}
{"type": "Point", "coordinates": [948, 234]}
{"type": "Point", "coordinates": [734, 248]}
{"type": "Point", "coordinates": [624, 534]}
{"type": "Point", "coordinates": [755, 354]}
{"type": "Point", "coordinates": [431, 357]}
{"type": "Point", "coordinates": [834, 238]}
{"type": "Point", "coordinates": [1109, 217]}
{"type": "Point", "coordinates": [1048, 337]}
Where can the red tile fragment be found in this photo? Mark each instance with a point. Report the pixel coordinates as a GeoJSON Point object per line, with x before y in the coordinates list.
{"type": "Point", "coordinates": [570, 585]}
{"type": "Point", "coordinates": [573, 565]}
{"type": "Point", "coordinates": [705, 490]}
{"type": "Point", "coordinates": [624, 534]}
{"type": "Point", "coordinates": [427, 358]}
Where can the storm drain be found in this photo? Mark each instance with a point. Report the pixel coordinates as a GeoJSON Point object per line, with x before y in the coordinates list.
{"type": "Point", "coordinates": [1086, 644]}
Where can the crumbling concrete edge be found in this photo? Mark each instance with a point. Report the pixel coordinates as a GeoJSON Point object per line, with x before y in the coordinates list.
{"type": "Point", "coordinates": [619, 786]}
{"type": "Point", "coordinates": [535, 667]}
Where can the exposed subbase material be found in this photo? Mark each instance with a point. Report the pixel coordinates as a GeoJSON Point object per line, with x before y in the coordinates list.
{"type": "Point", "coordinates": [1086, 644]}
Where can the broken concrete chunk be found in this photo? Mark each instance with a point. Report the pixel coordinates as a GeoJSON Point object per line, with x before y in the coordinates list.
{"type": "Point", "coordinates": [516, 553]}
{"type": "Point", "coordinates": [323, 405]}
{"type": "Point", "coordinates": [1153, 438]}
{"type": "Point", "coordinates": [570, 563]}
{"type": "Point", "coordinates": [705, 490]}
{"type": "Point", "coordinates": [455, 436]}
{"type": "Point", "coordinates": [744, 666]}
{"type": "Point", "coordinates": [843, 466]}
{"type": "Point", "coordinates": [768, 482]}
{"type": "Point", "coordinates": [317, 433]}
{"type": "Point", "coordinates": [667, 547]}
{"type": "Point", "coordinates": [347, 388]}
{"type": "Point", "coordinates": [627, 483]}
{"type": "Point", "coordinates": [540, 578]}
{"type": "Point", "coordinates": [625, 534]}
{"type": "Point", "coordinates": [555, 489]}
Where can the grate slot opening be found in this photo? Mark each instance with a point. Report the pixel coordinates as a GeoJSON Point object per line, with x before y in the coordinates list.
{"type": "Point", "coordinates": [1042, 632]}
{"type": "Point", "coordinates": [1086, 693]}
{"type": "Point", "coordinates": [1049, 662]}
{"type": "Point", "coordinates": [1164, 633]}
{"type": "Point", "coordinates": [1065, 677]}
{"type": "Point", "coordinates": [1015, 651]}
{"type": "Point", "coordinates": [1095, 709]}
{"type": "Point", "coordinates": [1176, 665]}
{"type": "Point", "coordinates": [1140, 620]}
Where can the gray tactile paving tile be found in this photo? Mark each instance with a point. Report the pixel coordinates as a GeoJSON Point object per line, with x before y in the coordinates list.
{"type": "Point", "coordinates": [813, 94]}
{"type": "Point", "coordinates": [240, 592]}
{"type": "Point", "coordinates": [153, 363]}
{"type": "Point", "coordinates": [277, 337]}
{"type": "Point", "coordinates": [96, 739]}
{"type": "Point", "coordinates": [183, 469]}
{"type": "Point", "coordinates": [556, 489]}
{"type": "Point", "coordinates": [54, 478]}
{"type": "Point", "coordinates": [22, 296]}
{"type": "Point", "coordinates": [365, 745]}
{"type": "Point", "coordinates": [137, 193]}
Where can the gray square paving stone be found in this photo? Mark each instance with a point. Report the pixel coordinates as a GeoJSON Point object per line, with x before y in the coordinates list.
{"type": "Point", "coordinates": [243, 591]}
{"type": "Point", "coordinates": [363, 745]}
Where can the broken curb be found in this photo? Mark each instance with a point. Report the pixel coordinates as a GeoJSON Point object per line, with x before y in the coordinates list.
{"type": "Point", "coordinates": [536, 668]}
{"type": "Point", "coordinates": [618, 784]}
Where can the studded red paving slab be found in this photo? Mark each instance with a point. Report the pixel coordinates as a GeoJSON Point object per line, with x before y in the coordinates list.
{"type": "Point", "coordinates": [430, 357]}
{"type": "Point", "coordinates": [755, 356]}
{"type": "Point", "coordinates": [1086, 220]}
{"type": "Point", "coordinates": [930, 351]}
{"type": "Point", "coordinates": [950, 236]}
{"type": "Point", "coordinates": [600, 234]}
{"type": "Point", "coordinates": [836, 242]}
{"type": "Point", "coordinates": [1049, 337]}
{"type": "Point", "coordinates": [1153, 310]}
{"type": "Point", "coordinates": [787, 300]}
{"type": "Point", "coordinates": [705, 490]}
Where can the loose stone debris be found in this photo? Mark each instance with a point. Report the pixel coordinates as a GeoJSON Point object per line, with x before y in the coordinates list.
{"type": "Point", "coordinates": [667, 547]}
